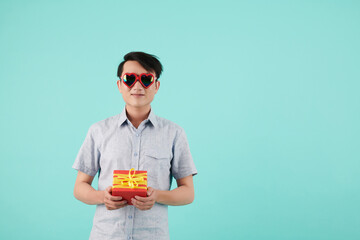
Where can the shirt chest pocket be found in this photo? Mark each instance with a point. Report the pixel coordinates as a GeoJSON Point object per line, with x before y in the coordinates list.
{"type": "Point", "coordinates": [156, 159]}
{"type": "Point", "coordinates": [157, 164]}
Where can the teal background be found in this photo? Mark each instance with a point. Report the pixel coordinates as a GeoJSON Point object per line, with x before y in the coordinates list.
{"type": "Point", "coordinates": [267, 92]}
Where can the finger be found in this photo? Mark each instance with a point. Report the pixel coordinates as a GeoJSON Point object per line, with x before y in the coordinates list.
{"type": "Point", "coordinates": [109, 206]}
{"type": "Point", "coordinates": [147, 202]}
{"type": "Point", "coordinates": [115, 205]}
{"type": "Point", "coordinates": [109, 201]}
{"type": "Point", "coordinates": [121, 203]}
{"type": "Point", "coordinates": [108, 194]}
{"type": "Point", "coordinates": [114, 208]}
{"type": "Point", "coordinates": [115, 198]}
{"type": "Point", "coordinates": [142, 199]}
{"type": "Point", "coordinates": [108, 191]}
{"type": "Point", "coordinates": [150, 191]}
{"type": "Point", "coordinates": [111, 197]}
{"type": "Point", "coordinates": [137, 205]}
{"type": "Point", "coordinates": [142, 204]}
{"type": "Point", "coordinates": [143, 208]}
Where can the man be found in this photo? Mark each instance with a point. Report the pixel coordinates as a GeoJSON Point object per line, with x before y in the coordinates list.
{"type": "Point", "coordinates": [135, 138]}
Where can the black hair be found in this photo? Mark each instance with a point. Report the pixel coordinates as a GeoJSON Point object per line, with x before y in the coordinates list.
{"type": "Point", "coordinates": [147, 61]}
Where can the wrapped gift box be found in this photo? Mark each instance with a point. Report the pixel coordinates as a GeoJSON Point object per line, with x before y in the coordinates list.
{"type": "Point", "coordinates": [129, 183]}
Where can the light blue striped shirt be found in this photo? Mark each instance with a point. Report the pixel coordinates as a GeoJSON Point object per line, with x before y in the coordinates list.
{"type": "Point", "coordinates": [158, 146]}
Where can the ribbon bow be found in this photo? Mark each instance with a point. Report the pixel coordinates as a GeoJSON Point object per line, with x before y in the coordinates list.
{"type": "Point", "coordinates": [131, 180]}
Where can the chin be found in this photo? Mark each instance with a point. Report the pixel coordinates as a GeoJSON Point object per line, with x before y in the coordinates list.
{"type": "Point", "coordinates": [138, 105]}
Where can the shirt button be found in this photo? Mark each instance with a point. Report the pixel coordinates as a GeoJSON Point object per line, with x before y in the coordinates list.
{"type": "Point", "coordinates": [135, 154]}
{"type": "Point", "coordinates": [130, 217]}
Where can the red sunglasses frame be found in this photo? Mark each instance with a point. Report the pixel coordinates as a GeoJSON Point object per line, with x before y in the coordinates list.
{"type": "Point", "coordinates": [138, 78]}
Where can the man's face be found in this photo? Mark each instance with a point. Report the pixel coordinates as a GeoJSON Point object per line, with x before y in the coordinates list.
{"type": "Point", "coordinates": [137, 96]}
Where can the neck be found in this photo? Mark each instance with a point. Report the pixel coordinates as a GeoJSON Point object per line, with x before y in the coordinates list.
{"type": "Point", "coordinates": [137, 115]}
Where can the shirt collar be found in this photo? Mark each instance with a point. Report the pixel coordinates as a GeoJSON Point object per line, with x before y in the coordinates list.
{"type": "Point", "coordinates": [151, 118]}
{"type": "Point", "coordinates": [122, 117]}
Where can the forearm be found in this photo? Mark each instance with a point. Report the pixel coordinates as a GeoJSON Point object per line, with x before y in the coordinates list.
{"type": "Point", "coordinates": [181, 195]}
{"type": "Point", "coordinates": [85, 193]}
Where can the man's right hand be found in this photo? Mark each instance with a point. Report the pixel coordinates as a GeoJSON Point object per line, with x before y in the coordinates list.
{"type": "Point", "coordinates": [113, 202]}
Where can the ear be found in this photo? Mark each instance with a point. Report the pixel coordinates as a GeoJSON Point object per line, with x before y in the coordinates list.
{"type": "Point", "coordinates": [118, 83]}
{"type": "Point", "coordinates": [157, 85]}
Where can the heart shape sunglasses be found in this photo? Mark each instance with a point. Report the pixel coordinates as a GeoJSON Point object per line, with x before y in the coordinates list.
{"type": "Point", "coordinates": [146, 79]}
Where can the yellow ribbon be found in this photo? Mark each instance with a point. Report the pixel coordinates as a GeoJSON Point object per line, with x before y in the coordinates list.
{"type": "Point", "coordinates": [131, 180]}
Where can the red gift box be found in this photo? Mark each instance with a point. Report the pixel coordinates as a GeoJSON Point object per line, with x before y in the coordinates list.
{"type": "Point", "coordinates": [129, 183]}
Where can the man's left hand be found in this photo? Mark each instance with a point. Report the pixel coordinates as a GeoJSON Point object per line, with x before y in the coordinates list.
{"type": "Point", "coordinates": [145, 203]}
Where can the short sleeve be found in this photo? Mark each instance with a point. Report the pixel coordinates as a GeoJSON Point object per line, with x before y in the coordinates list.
{"type": "Point", "coordinates": [87, 160]}
{"type": "Point", "coordinates": [182, 162]}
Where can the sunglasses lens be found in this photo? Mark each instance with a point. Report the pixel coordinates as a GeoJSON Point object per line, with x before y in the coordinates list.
{"type": "Point", "coordinates": [129, 79]}
{"type": "Point", "coordinates": [147, 80]}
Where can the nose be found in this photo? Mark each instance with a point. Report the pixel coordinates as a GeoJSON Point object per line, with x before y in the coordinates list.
{"type": "Point", "coordinates": [137, 85]}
